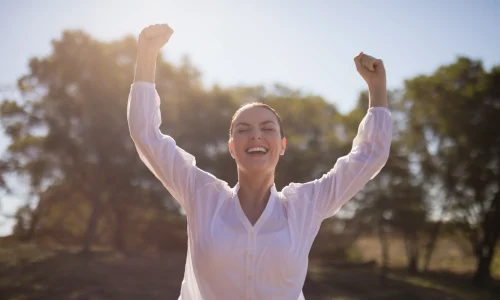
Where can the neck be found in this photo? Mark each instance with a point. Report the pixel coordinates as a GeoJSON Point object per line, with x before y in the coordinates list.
{"type": "Point", "coordinates": [255, 189]}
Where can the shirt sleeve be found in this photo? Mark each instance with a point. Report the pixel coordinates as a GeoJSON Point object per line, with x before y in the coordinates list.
{"type": "Point", "coordinates": [368, 155]}
{"type": "Point", "coordinates": [174, 167]}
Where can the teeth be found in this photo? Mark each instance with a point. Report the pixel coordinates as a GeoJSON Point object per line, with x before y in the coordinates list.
{"type": "Point", "coordinates": [257, 149]}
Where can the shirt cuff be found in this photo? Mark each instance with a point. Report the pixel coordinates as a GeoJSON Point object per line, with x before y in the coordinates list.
{"type": "Point", "coordinates": [143, 84]}
{"type": "Point", "coordinates": [379, 108]}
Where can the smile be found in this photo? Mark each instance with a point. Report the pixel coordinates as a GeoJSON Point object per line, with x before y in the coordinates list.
{"type": "Point", "coordinates": [256, 150]}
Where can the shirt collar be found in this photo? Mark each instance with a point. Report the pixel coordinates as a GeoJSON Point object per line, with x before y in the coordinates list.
{"type": "Point", "coordinates": [265, 214]}
{"type": "Point", "coordinates": [236, 188]}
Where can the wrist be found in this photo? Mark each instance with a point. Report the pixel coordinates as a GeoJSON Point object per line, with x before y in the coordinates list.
{"type": "Point", "coordinates": [378, 95]}
{"type": "Point", "coordinates": [377, 87]}
{"type": "Point", "coordinates": [145, 65]}
{"type": "Point", "coordinates": [146, 56]}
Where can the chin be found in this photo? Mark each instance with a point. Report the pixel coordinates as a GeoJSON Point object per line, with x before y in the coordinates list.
{"type": "Point", "coordinates": [257, 168]}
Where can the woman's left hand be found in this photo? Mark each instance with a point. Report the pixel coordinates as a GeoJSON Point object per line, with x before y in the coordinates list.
{"type": "Point", "coordinates": [372, 70]}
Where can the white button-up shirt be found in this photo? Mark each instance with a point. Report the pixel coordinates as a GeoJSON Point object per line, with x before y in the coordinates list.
{"type": "Point", "coordinates": [227, 257]}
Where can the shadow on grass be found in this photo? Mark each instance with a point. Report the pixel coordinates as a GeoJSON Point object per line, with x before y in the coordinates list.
{"type": "Point", "coordinates": [108, 276]}
{"type": "Point", "coordinates": [358, 281]}
{"type": "Point", "coordinates": [101, 276]}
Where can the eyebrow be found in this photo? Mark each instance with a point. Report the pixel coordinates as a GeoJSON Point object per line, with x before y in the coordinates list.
{"type": "Point", "coordinates": [261, 123]}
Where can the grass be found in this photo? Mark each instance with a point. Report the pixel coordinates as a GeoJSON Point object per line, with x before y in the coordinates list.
{"type": "Point", "coordinates": [60, 274]}
{"type": "Point", "coordinates": [461, 288]}
{"type": "Point", "coordinates": [448, 257]}
{"type": "Point", "coordinates": [18, 255]}
{"type": "Point", "coordinates": [29, 272]}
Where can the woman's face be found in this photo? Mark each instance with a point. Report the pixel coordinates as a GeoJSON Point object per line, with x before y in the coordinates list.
{"type": "Point", "coordinates": [255, 141]}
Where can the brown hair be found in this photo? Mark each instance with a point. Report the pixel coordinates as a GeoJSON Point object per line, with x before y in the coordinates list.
{"type": "Point", "coordinates": [256, 104]}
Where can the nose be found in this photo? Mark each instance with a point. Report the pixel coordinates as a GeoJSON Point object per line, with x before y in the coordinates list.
{"type": "Point", "coordinates": [256, 134]}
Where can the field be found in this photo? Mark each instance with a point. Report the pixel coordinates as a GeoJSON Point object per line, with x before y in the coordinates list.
{"type": "Point", "coordinates": [448, 257]}
{"type": "Point", "coordinates": [28, 271]}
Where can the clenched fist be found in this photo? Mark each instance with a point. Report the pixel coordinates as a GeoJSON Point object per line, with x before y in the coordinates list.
{"type": "Point", "coordinates": [373, 72]}
{"type": "Point", "coordinates": [371, 69]}
{"type": "Point", "coordinates": [154, 37]}
{"type": "Point", "coordinates": [151, 40]}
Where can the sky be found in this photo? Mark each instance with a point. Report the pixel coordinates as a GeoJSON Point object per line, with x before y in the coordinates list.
{"type": "Point", "coordinates": [306, 45]}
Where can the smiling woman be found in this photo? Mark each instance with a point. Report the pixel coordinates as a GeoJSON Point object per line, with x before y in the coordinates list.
{"type": "Point", "coordinates": [257, 238]}
{"type": "Point", "coordinates": [256, 132]}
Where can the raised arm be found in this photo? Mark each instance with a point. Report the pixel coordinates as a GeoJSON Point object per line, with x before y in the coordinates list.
{"type": "Point", "coordinates": [151, 40]}
{"type": "Point", "coordinates": [368, 155]}
{"type": "Point", "coordinates": [173, 166]}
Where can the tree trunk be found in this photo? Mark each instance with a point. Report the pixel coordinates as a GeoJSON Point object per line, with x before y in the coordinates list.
{"type": "Point", "coordinates": [486, 248]}
{"type": "Point", "coordinates": [90, 233]}
{"type": "Point", "coordinates": [413, 265]}
{"type": "Point", "coordinates": [483, 273]}
{"type": "Point", "coordinates": [384, 246]}
{"type": "Point", "coordinates": [431, 244]}
{"type": "Point", "coordinates": [33, 224]}
{"type": "Point", "coordinates": [119, 241]}
{"type": "Point", "coordinates": [35, 218]}
{"type": "Point", "coordinates": [411, 246]}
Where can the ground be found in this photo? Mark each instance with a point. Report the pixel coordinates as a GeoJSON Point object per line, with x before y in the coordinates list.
{"type": "Point", "coordinates": [31, 272]}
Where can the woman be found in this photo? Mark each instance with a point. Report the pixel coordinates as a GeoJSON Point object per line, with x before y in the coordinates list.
{"type": "Point", "coordinates": [251, 241]}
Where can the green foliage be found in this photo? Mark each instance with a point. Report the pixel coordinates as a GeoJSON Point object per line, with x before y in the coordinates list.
{"type": "Point", "coordinates": [452, 116]}
{"type": "Point", "coordinates": [69, 136]}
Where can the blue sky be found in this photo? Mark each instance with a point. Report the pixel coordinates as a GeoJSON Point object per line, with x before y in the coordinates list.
{"type": "Point", "coordinates": [307, 45]}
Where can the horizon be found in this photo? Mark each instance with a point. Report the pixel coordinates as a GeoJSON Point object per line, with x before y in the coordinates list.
{"type": "Point", "coordinates": [309, 47]}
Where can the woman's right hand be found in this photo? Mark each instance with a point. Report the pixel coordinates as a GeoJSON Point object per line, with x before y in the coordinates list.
{"type": "Point", "coordinates": [154, 37]}
{"type": "Point", "coordinates": [151, 40]}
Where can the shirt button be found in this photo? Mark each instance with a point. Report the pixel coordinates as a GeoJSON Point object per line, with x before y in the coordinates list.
{"type": "Point", "coordinates": [249, 277]}
{"type": "Point", "coordinates": [250, 256]}
{"type": "Point", "coordinates": [252, 234]}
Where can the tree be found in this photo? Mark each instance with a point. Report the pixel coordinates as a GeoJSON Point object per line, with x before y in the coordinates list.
{"type": "Point", "coordinates": [70, 128]}
{"type": "Point", "coordinates": [393, 202]}
{"type": "Point", "coordinates": [70, 137]}
{"type": "Point", "coordinates": [452, 117]}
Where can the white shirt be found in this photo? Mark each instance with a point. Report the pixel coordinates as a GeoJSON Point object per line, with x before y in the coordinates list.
{"type": "Point", "coordinates": [227, 257]}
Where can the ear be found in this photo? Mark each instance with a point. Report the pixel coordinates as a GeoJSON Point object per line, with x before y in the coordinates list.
{"type": "Point", "coordinates": [231, 147]}
{"type": "Point", "coordinates": [283, 146]}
